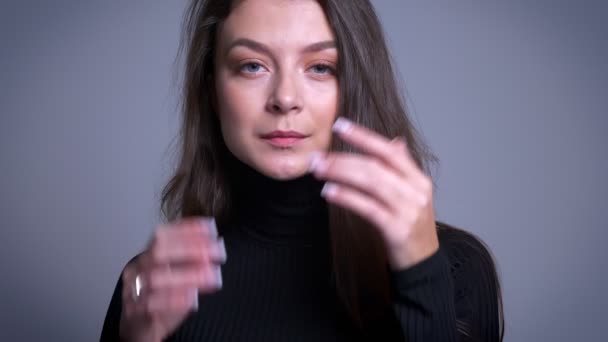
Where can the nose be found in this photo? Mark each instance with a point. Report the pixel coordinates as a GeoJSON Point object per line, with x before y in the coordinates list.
{"type": "Point", "coordinates": [284, 97]}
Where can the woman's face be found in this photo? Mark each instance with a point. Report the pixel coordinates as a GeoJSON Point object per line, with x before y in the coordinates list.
{"type": "Point", "coordinates": [275, 73]}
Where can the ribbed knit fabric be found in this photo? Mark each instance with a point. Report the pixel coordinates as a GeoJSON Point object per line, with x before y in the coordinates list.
{"type": "Point", "coordinates": [276, 282]}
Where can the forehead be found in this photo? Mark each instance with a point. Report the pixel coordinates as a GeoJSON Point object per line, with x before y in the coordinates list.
{"type": "Point", "coordinates": [280, 22]}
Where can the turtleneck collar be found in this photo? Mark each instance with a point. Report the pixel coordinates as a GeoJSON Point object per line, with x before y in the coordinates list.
{"type": "Point", "coordinates": [286, 211]}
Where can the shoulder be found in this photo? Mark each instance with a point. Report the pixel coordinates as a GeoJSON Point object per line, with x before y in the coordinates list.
{"type": "Point", "coordinates": [477, 292]}
{"type": "Point", "coordinates": [471, 263]}
{"type": "Point", "coordinates": [461, 245]}
{"type": "Point", "coordinates": [463, 248]}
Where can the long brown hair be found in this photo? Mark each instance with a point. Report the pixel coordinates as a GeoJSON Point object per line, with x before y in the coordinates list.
{"type": "Point", "coordinates": [369, 95]}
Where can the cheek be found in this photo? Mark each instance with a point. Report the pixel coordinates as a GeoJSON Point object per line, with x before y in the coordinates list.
{"type": "Point", "coordinates": [235, 103]}
{"type": "Point", "coordinates": [324, 106]}
{"type": "Point", "coordinates": [236, 100]}
{"type": "Point", "coordinates": [323, 98]}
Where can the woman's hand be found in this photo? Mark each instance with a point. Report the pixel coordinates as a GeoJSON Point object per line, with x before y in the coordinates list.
{"type": "Point", "coordinates": [161, 286]}
{"type": "Point", "coordinates": [384, 186]}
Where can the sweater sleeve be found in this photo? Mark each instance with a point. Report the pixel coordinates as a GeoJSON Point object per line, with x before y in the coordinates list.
{"type": "Point", "coordinates": [452, 295]}
{"type": "Point", "coordinates": [423, 300]}
{"type": "Point", "coordinates": [111, 324]}
{"type": "Point", "coordinates": [477, 289]}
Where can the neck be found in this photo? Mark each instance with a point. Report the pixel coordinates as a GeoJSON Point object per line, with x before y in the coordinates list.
{"type": "Point", "coordinates": [290, 211]}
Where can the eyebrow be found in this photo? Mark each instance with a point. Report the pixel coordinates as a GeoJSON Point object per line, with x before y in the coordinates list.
{"type": "Point", "coordinates": [259, 47]}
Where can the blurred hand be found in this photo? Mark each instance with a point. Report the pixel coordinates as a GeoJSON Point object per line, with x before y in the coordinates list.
{"type": "Point", "coordinates": [384, 185]}
{"type": "Point", "coordinates": [182, 260]}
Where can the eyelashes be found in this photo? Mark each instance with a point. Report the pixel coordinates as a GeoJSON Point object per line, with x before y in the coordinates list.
{"type": "Point", "coordinates": [251, 65]}
{"type": "Point", "coordinates": [329, 69]}
{"type": "Point", "coordinates": [319, 68]}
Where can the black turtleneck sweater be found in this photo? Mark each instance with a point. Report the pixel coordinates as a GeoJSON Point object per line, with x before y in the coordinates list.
{"type": "Point", "coordinates": [276, 281]}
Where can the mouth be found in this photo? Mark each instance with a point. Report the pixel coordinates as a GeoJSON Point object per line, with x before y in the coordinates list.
{"type": "Point", "coordinates": [284, 138]}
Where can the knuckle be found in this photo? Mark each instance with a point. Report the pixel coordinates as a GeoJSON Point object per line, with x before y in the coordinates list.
{"type": "Point", "coordinates": [371, 212]}
{"type": "Point", "coordinates": [424, 201]}
{"type": "Point", "coordinates": [382, 218]}
{"type": "Point", "coordinates": [369, 173]}
{"type": "Point", "coordinates": [363, 178]}
{"type": "Point", "coordinates": [410, 221]}
{"type": "Point", "coordinates": [148, 309]}
{"type": "Point", "coordinates": [374, 166]}
{"type": "Point", "coordinates": [185, 300]}
{"type": "Point", "coordinates": [128, 310]}
{"type": "Point", "coordinates": [399, 145]}
{"type": "Point", "coordinates": [160, 235]}
{"type": "Point", "coordinates": [153, 281]}
{"type": "Point", "coordinates": [398, 192]}
{"type": "Point", "coordinates": [200, 278]}
{"type": "Point", "coordinates": [126, 273]}
{"type": "Point", "coordinates": [427, 184]}
{"type": "Point", "coordinates": [202, 255]}
{"type": "Point", "coordinates": [155, 253]}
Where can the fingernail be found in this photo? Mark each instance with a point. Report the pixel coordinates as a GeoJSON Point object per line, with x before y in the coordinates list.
{"type": "Point", "coordinates": [329, 189]}
{"type": "Point", "coordinates": [209, 226]}
{"type": "Point", "coordinates": [316, 162]}
{"type": "Point", "coordinates": [218, 276]}
{"type": "Point", "coordinates": [342, 125]}
{"type": "Point", "coordinates": [195, 304]}
{"type": "Point", "coordinates": [221, 250]}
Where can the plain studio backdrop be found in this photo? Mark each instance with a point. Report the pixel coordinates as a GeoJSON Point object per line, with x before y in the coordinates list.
{"type": "Point", "coordinates": [511, 95]}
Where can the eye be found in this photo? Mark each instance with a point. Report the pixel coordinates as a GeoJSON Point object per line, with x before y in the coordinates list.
{"type": "Point", "coordinates": [251, 67]}
{"type": "Point", "coordinates": [322, 69]}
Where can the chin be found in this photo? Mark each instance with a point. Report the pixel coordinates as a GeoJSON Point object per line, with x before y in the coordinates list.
{"type": "Point", "coordinates": [285, 169]}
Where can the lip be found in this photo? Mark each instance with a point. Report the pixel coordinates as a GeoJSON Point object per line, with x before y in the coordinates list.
{"type": "Point", "coordinates": [283, 138]}
{"type": "Point", "coordinates": [283, 134]}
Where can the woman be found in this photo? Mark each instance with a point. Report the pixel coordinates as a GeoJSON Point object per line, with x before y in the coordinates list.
{"type": "Point", "coordinates": [297, 150]}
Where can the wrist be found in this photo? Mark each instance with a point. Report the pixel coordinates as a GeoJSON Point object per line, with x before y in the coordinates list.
{"type": "Point", "coordinates": [408, 254]}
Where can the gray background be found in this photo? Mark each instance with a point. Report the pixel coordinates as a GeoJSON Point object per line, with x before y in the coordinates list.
{"type": "Point", "coordinates": [511, 95]}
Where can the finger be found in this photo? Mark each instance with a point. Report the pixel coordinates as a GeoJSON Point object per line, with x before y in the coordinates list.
{"type": "Point", "coordinates": [410, 165]}
{"type": "Point", "coordinates": [205, 223]}
{"type": "Point", "coordinates": [173, 246]}
{"type": "Point", "coordinates": [357, 202]}
{"type": "Point", "coordinates": [128, 282]}
{"type": "Point", "coordinates": [205, 226]}
{"type": "Point", "coordinates": [192, 226]}
{"type": "Point", "coordinates": [170, 302]}
{"type": "Point", "coordinates": [377, 145]}
{"type": "Point", "coordinates": [366, 174]}
{"type": "Point", "coordinates": [206, 277]}
{"type": "Point", "coordinates": [157, 275]}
